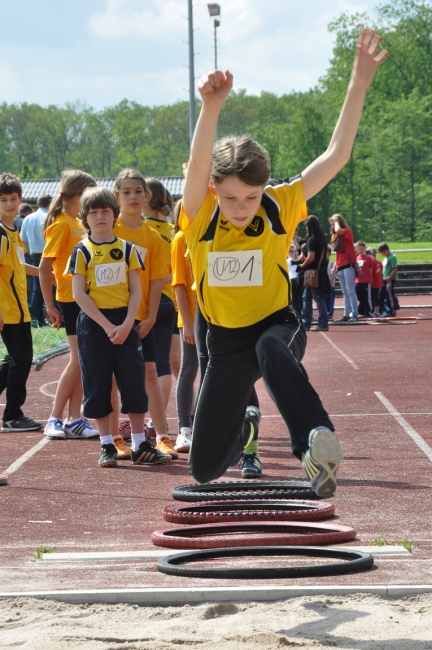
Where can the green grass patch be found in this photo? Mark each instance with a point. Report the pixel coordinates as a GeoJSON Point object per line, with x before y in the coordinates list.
{"type": "Point", "coordinates": [406, 543]}
{"type": "Point", "coordinates": [44, 339]}
{"type": "Point", "coordinates": [40, 550]}
{"type": "Point", "coordinates": [408, 258]}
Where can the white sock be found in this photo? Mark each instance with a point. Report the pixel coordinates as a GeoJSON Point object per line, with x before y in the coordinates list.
{"type": "Point", "coordinates": [107, 440]}
{"type": "Point", "coordinates": [137, 439]}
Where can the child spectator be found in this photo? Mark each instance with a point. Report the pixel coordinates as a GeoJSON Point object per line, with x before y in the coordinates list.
{"type": "Point", "coordinates": [106, 286]}
{"type": "Point", "coordinates": [15, 327]}
{"type": "Point", "coordinates": [364, 282]}
{"type": "Point", "coordinates": [389, 298]}
{"type": "Point", "coordinates": [330, 296]}
{"type": "Point", "coordinates": [63, 230]}
{"type": "Point", "coordinates": [377, 281]}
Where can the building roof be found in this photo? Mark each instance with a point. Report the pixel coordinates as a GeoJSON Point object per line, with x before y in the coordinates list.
{"type": "Point", "coordinates": [32, 188]}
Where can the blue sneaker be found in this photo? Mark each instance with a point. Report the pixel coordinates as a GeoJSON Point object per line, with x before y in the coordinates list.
{"type": "Point", "coordinates": [80, 428]}
{"type": "Point", "coordinates": [54, 429]}
{"type": "Point", "coordinates": [250, 466]}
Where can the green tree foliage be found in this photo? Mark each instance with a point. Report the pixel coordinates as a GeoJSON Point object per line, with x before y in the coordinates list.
{"type": "Point", "coordinates": [385, 191]}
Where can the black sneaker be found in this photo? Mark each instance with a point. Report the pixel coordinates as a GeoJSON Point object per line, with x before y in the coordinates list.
{"type": "Point", "coordinates": [146, 454]}
{"type": "Point", "coordinates": [23, 423]}
{"type": "Point", "coordinates": [108, 456]}
{"type": "Point", "coordinates": [343, 319]}
{"type": "Point", "coordinates": [250, 466]}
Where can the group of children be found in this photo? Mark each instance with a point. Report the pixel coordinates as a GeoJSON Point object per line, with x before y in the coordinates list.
{"type": "Point", "coordinates": [237, 227]}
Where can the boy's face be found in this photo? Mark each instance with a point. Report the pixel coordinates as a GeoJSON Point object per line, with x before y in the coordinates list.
{"type": "Point", "coordinates": [238, 202]}
{"type": "Point", "coordinates": [361, 250]}
{"type": "Point", "coordinates": [385, 253]}
{"type": "Point", "coordinates": [101, 221]}
{"type": "Point", "coordinates": [132, 197]}
{"type": "Point", "coordinates": [9, 204]}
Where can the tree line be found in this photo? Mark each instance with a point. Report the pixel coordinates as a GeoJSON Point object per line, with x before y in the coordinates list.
{"type": "Point", "coordinates": [385, 191]}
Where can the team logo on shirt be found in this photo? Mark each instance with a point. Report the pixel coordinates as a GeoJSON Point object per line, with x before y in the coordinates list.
{"type": "Point", "coordinates": [116, 253]}
{"type": "Point", "coordinates": [255, 228]}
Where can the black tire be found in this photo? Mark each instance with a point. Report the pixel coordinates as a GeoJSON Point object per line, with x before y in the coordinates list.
{"type": "Point", "coordinates": [208, 512]}
{"type": "Point", "coordinates": [234, 490]}
{"type": "Point", "coordinates": [290, 533]}
{"type": "Point", "coordinates": [354, 561]}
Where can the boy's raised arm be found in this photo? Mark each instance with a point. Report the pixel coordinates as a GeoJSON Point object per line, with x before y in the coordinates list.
{"type": "Point", "coordinates": [214, 89]}
{"type": "Point", "coordinates": [366, 63]}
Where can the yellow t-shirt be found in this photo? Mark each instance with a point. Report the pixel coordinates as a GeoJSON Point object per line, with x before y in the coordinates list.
{"type": "Point", "coordinates": [150, 248]}
{"type": "Point", "coordinates": [241, 274]}
{"type": "Point", "coordinates": [60, 238]}
{"type": "Point", "coordinates": [166, 231]}
{"type": "Point", "coordinates": [182, 273]}
{"type": "Point", "coordinates": [13, 281]}
{"type": "Point", "coordinates": [106, 268]}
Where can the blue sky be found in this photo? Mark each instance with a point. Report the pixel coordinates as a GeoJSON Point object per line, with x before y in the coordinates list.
{"type": "Point", "coordinates": [102, 51]}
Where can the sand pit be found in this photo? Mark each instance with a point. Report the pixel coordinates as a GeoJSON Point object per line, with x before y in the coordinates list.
{"type": "Point", "coordinates": [356, 621]}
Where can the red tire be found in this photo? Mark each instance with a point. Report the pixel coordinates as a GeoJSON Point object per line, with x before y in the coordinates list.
{"type": "Point", "coordinates": [271, 510]}
{"type": "Point", "coordinates": [290, 534]}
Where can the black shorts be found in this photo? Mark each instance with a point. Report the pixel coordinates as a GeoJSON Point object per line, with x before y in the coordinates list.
{"type": "Point", "coordinates": [176, 327]}
{"type": "Point", "coordinates": [69, 312]}
{"type": "Point", "coordinates": [149, 347]}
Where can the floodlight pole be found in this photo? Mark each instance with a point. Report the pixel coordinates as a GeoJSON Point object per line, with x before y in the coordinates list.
{"type": "Point", "coordinates": [192, 118]}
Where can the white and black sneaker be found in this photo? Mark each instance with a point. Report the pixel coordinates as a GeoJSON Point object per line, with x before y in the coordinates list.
{"type": "Point", "coordinates": [80, 428]}
{"type": "Point", "coordinates": [54, 429]}
{"type": "Point", "coordinates": [23, 423]}
{"type": "Point", "coordinates": [108, 456]}
{"type": "Point", "coordinates": [321, 461]}
{"type": "Point", "coordinates": [146, 454]}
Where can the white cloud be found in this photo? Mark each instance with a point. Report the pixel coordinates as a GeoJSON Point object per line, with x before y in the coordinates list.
{"type": "Point", "coordinates": [127, 19]}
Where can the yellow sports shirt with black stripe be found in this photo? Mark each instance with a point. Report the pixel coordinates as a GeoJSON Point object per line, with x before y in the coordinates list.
{"type": "Point", "coordinates": [150, 248]}
{"type": "Point", "coordinates": [106, 268]}
{"type": "Point", "coordinates": [241, 274]}
{"type": "Point", "coordinates": [13, 281]}
{"type": "Point", "coordinates": [182, 273]}
{"type": "Point", "coordinates": [166, 231]}
{"type": "Point", "coordinates": [60, 237]}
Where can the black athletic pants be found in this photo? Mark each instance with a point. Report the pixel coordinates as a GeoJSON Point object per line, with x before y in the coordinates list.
{"type": "Point", "coordinates": [15, 367]}
{"type": "Point", "coordinates": [272, 349]}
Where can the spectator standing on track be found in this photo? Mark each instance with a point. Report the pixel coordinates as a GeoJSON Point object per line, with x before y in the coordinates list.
{"type": "Point", "coordinates": [296, 295]}
{"type": "Point", "coordinates": [343, 245]}
{"type": "Point", "coordinates": [238, 233]}
{"type": "Point", "coordinates": [15, 325]}
{"type": "Point", "coordinates": [106, 286]}
{"type": "Point", "coordinates": [329, 297]}
{"type": "Point", "coordinates": [364, 283]}
{"type": "Point", "coordinates": [389, 276]}
{"type": "Point", "coordinates": [62, 231]}
{"type": "Point", "coordinates": [316, 260]}
{"type": "Point", "coordinates": [32, 236]}
{"type": "Point", "coordinates": [377, 281]}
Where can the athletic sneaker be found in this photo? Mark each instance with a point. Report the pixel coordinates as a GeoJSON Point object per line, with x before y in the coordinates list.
{"type": "Point", "coordinates": [165, 446]}
{"type": "Point", "coordinates": [322, 460]}
{"type": "Point", "coordinates": [108, 456]}
{"type": "Point", "coordinates": [3, 479]}
{"type": "Point", "coordinates": [184, 440]}
{"type": "Point", "coordinates": [317, 328]}
{"type": "Point", "coordinates": [250, 466]}
{"type": "Point", "coordinates": [343, 319]}
{"type": "Point", "coordinates": [23, 423]}
{"type": "Point", "coordinates": [125, 430]}
{"type": "Point", "coordinates": [146, 454]}
{"type": "Point", "coordinates": [80, 428]}
{"type": "Point", "coordinates": [353, 319]}
{"type": "Point", "coordinates": [123, 451]}
{"type": "Point", "coordinates": [54, 428]}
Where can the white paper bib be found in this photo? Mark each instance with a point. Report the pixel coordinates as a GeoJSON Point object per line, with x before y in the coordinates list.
{"type": "Point", "coordinates": [110, 274]}
{"type": "Point", "coordinates": [235, 269]}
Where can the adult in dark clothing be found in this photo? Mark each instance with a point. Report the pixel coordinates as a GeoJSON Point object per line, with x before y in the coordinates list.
{"type": "Point", "coordinates": [316, 241]}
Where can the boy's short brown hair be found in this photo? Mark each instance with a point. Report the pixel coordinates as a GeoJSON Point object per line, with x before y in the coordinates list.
{"type": "Point", "coordinates": [97, 197]}
{"type": "Point", "coordinates": [9, 183]}
{"type": "Point", "coordinates": [360, 243]}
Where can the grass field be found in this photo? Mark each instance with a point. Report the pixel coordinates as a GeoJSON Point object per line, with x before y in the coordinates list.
{"type": "Point", "coordinates": [409, 258]}
{"type": "Point", "coordinates": [44, 339]}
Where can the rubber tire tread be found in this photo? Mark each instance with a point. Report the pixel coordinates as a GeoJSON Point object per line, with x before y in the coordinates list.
{"type": "Point", "coordinates": [291, 533]}
{"type": "Point", "coordinates": [355, 561]}
{"type": "Point", "coordinates": [209, 512]}
{"type": "Point", "coordinates": [234, 490]}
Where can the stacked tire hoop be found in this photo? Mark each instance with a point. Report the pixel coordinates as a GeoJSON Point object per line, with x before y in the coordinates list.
{"type": "Point", "coordinates": [259, 519]}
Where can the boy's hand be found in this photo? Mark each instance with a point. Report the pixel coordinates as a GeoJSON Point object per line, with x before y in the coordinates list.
{"type": "Point", "coordinates": [54, 314]}
{"type": "Point", "coordinates": [119, 334]}
{"type": "Point", "coordinates": [366, 61]}
{"type": "Point", "coordinates": [215, 87]}
{"type": "Point", "coordinates": [188, 333]}
{"type": "Point", "coordinates": [144, 327]}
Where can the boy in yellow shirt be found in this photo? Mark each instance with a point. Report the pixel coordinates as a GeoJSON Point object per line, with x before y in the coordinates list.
{"type": "Point", "coordinates": [15, 323]}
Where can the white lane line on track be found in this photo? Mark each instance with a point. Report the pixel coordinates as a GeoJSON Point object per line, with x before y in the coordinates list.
{"type": "Point", "coordinates": [339, 351]}
{"type": "Point", "coordinates": [404, 424]}
{"type": "Point", "coordinates": [22, 459]}
{"type": "Point", "coordinates": [44, 391]}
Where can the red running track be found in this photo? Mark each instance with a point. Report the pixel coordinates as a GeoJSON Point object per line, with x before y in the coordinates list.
{"type": "Point", "coordinates": [375, 382]}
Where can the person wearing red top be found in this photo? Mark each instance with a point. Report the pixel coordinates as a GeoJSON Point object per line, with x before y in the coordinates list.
{"type": "Point", "coordinates": [364, 282]}
{"type": "Point", "coordinates": [377, 280]}
{"type": "Point", "coordinates": [343, 244]}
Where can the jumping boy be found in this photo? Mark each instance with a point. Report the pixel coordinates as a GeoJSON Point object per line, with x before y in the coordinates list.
{"type": "Point", "coordinates": [238, 232]}
{"type": "Point", "coordinates": [105, 284]}
{"type": "Point", "coordinates": [15, 323]}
